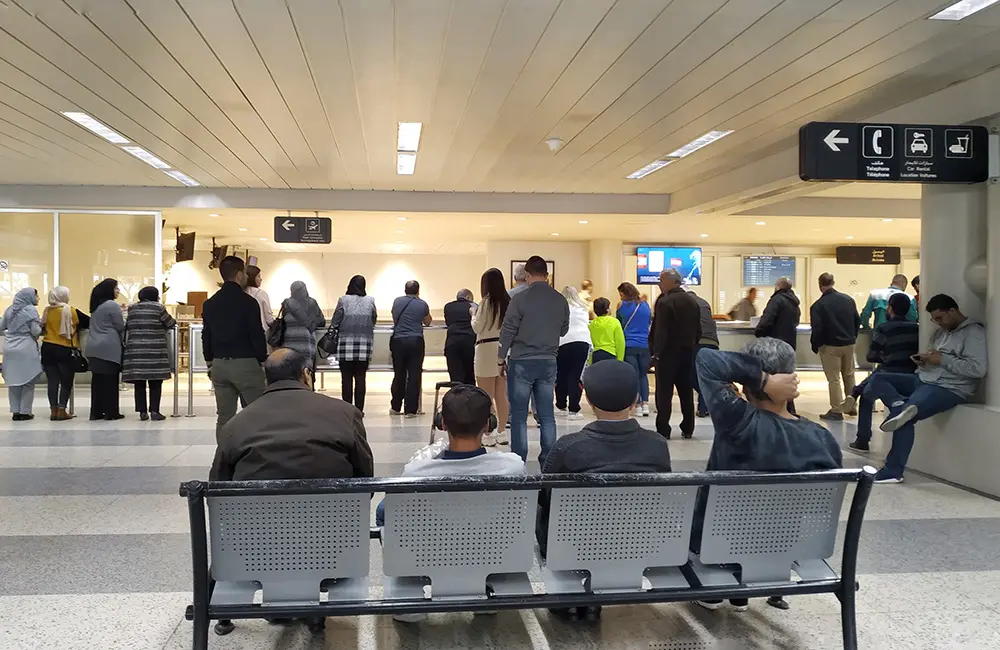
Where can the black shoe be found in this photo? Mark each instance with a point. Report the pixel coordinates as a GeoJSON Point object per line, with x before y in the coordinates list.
{"type": "Point", "coordinates": [94, 416]}
{"type": "Point", "coordinates": [143, 416]}
{"type": "Point", "coordinates": [156, 416]}
{"type": "Point", "coordinates": [316, 625]}
{"type": "Point", "coordinates": [222, 628]}
{"type": "Point", "coordinates": [119, 416]}
{"type": "Point", "coordinates": [702, 414]}
{"type": "Point", "coordinates": [280, 621]}
{"type": "Point", "coordinates": [858, 445]}
{"type": "Point", "coordinates": [687, 436]}
{"type": "Point", "coordinates": [833, 416]}
{"type": "Point", "coordinates": [17, 417]}
{"type": "Point", "coordinates": [778, 602]}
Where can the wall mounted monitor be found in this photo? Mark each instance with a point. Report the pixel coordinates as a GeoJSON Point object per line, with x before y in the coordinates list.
{"type": "Point", "coordinates": [765, 270]}
{"type": "Point", "coordinates": [185, 247]}
{"type": "Point", "coordinates": [654, 259]}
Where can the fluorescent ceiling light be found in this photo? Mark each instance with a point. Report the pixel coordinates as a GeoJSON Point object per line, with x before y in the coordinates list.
{"type": "Point", "coordinates": [963, 9]}
{"type": "Point", "coordinates": [761, 223]}
{"type": "Point", "coordinates": [182, 177]}
{"type": "Point", "coordinates": [406, 163]}
{"type": "Point", "coordinates": [648, 169]}
{"type": "Point", "coordinates": [146, 157]}
{"type": "Point", "coordinates": [400, 218]}
{"type": "Point", "coordinates": [698, 143]}
{"type": "Point", "coordinates": [849, 237]}
{"type": "Point", "coordinates": [94, 126]}
{"type": "Point", "coordinates": [583, 221]}
{"type": "Point", "coordinates": [704, 234]}
{"type": "Point", "coordinates": [214, 214]}
{"type": "Point", "coordinates": [555, 234]}
{"type": "Point", "coordinates": [242, 229]}
{"type": "Point", "coordinates": [887, 221]}
{"type": "Point", "coordinates": [408, 136]}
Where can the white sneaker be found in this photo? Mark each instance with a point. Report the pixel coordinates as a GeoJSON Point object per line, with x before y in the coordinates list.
{"type": "Point", "coordinates": [897, 422]}
{"type": "Point", "coordinates": [395, 412]}
{"type": "Point", "coordinates": [411, 416]}
{"type": "Point", "coordinates": [562, 412]}
{"type": "Point", "coordinates": [575, 416]}
{"type": "Point", "coordinates": [503, 437]}
{"type": "Point", "coordinates": [489, 440]}
{"type": "Point", "coordinates": [644, 408]}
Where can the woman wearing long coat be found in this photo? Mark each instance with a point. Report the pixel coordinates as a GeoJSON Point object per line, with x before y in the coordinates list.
{"type": "Point", "coordinates": [22, 362]}
{"type": "Point", "coordinates": [147, 352]}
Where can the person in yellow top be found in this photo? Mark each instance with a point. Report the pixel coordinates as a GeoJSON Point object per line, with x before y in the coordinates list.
{"type": "Point", "coordinates": [61, 336]}
{"type": "Point", "coordinates": [606, 333]}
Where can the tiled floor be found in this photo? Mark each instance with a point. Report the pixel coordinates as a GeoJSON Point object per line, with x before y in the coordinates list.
{"type": "Point", "coordinates": [94, 554]}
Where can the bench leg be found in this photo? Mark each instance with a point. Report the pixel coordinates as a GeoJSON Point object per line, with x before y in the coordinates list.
{"type": "Point", "coordinates": [201, 624]}
{"type": "Point", "coordinates": [848, 616]}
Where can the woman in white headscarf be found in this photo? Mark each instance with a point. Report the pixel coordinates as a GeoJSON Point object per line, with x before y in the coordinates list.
{"type": "Point", "coordinates": [61, 324]}
{"type": "Point", "coordinates": [302, 318]}
{"type": "Point", "coordinates": [22, 362]}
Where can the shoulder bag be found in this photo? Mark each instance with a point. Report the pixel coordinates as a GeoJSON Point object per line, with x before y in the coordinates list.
{"type": "Point", "coordinates": [395, 323]}
{"type": "Point", "coordinates": [276, 330]}
{"type": "Point", "coordinates": [327, 346]}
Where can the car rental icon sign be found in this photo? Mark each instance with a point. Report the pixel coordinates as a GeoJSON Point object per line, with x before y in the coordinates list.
{"type": "Point", "coordinates": [303, 230]}
{"type": "Point", "coordinates": [894, 153]}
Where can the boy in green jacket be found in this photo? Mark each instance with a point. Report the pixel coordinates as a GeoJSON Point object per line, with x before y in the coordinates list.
{"type": "Point", "coordinates": [606, 333]}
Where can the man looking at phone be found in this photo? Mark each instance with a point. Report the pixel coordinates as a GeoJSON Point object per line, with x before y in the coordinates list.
{"type": "Point", "coordinates": [948, 374]}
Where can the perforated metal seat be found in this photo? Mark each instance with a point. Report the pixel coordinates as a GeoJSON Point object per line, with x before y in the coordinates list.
{"type": "Point", "coordinates": [767, 528]}
{"type": "Point", "coordinates": [289, 545]}
{"type": "Point", "coordinates": [616, 534]}
{"type": "Point", "coordinates": [457, 539]}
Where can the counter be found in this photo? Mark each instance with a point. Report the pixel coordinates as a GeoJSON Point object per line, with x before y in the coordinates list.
{"type": "Point", "coordinates": [733, 335]}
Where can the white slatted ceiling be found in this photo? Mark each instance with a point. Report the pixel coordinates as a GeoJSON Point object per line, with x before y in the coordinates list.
{"type": "Point", "coordinates": [307, 93]}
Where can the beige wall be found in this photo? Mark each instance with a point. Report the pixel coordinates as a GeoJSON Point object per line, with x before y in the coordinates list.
{"type": "Point", "coordinates": [326, 275]}
{"type": "Point", "coordinates": [26, 246]}
{"type": "Point", "coordinates": [570, 258]}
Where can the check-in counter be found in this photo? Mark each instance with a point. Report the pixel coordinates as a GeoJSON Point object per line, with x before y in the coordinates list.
{"type": "Point", "coordinates": [733, 335]}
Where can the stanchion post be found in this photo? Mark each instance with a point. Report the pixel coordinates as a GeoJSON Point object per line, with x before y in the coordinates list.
{"type": "Point", "coordinates": [177, 374]}
{"type": "Point", "coordinates": [192, 356]}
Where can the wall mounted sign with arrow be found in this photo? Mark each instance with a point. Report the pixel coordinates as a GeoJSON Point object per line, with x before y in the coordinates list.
{"type": "Point", "coordinates": [303, 230]}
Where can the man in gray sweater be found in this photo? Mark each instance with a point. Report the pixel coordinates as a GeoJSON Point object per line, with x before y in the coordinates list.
{"type": "Point", "coordinates": [947, 375]}
{"type": "Point", "coordinates": [529, 345]}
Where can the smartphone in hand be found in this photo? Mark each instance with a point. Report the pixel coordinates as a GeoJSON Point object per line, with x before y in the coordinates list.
{"type": "Point", "coordinates": [917, 359]}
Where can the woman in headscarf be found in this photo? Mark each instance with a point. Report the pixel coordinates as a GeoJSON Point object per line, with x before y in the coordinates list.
{"type": "Point", "coordinates": [104, 350]}
{"type": "Point", "coordinates": [62, 324]}
{"type": "Point", "coordinates": [147, 353]}
{"type": "Point", "coordinates": [22, 363]}
{"type": "Point", "coordinates": [302, 318]}
{"type": "Point", "coordinates": [354, 319]}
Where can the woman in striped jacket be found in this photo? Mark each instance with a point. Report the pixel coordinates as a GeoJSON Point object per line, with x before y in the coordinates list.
{"type": "Point", "coordinates": [147, 354]}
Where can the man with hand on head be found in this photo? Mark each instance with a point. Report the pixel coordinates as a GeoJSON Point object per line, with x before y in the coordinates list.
{"type": "Point", "coordinates": [758, 433]}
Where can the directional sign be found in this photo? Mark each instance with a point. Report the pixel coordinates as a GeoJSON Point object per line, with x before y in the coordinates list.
{"type": "Point", "coordinates": [303, 230]}
{"type": "Point", "coordinates": [907, 153]}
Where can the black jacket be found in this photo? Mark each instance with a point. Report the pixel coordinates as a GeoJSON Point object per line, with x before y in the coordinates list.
{"type": "Point", "coordinates": [290, 432]}
{"type": "Point", "coordinates": [834, 320]}
{"type": "Point", "coordinates": [602, 447]}
{"type": "Point", "coordinates": [781, 317]}
{"type": "Point", "coordinates": [676, 323]}
{"type": "Point", "coordinates": [232, 327]}
{"type": "Point", "coordinates": [458, 318]}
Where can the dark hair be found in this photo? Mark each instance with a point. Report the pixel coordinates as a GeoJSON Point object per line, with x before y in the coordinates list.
{"type": "Point", "coordinates": [629, 290]}
{"type": "Point", "coordinates": [465, 411]}
{"type": "Point", "coordinates": [492, 286]}
{"type": "Point", "coordinates": [252, 273]}
{"type": "Point", "coordinates": [356, 287]}
{"type": "Point", "coordinates": [602, 306]}
{"type": "Point", "coordinates": [149, 294]}
{"type": "Point", "coordinates": [536, 266]}
{"type": "Point", "coordinates": [103, 292]}
{"type": "Point", "coordinates": [284, 364]}
{"type": "Point", "coordinates": [412, 288]}
{"type": "Point", "coordinates": [941, 302]}
{"type": "Point", "coordinates": [230, 267]}
{"type": "Point", "coordinates": [915, 282]}
{"type": "Point", "coordinates": [826, 279]}
{"type": "Point", "coordinates": [900, 303]}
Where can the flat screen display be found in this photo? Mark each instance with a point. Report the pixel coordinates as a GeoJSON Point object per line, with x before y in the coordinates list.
{"type": "Point", "coordinates": [654, 259]}
{"type": "Point", "coordinates": [766, 270]}
{"type": "Point", "coordinates": [185, 247]}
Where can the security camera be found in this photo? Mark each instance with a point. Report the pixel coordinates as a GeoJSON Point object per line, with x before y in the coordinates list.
{"type": "Point", "coordinates": [553, 144]}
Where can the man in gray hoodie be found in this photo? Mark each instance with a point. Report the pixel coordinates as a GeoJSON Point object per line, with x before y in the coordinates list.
{"type": "Point", "coordinates": [947, 375]}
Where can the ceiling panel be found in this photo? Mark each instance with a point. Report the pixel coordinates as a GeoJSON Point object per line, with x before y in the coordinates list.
{"type": "Point", "coordinates": [308, 93]}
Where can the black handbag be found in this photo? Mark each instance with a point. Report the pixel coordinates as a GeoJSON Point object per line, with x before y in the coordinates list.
{"type": "Point", "coordinates": [276, 331]}
{"type": "Point", "coordinates": [78, 361]}
{"type": "Point", "coordinates": [327, 345]}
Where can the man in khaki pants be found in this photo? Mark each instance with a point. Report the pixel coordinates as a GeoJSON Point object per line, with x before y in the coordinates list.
{"type": "Point", "coordinates": [835, 323]}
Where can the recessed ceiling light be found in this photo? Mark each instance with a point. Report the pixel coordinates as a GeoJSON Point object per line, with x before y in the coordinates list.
{"type": "Point", "coordinates": [263, 238]}
{"type": "Point", "coordinates": [887, 221]}
{"type": "Point", "coordinates": [408, 136]}
{"type": "Point", "coordinates": [487, 225]}
{"type": "Point", "coordinates": [761, 223]}
{"type": "Point", "coordinates": [213, 214]}
{"type": "Point", "coordinates": [699, 143]}
{"type": "Point", "coordinates": [94, 126]}
{"type": "Point", "coordinates": [400, 218]}
{"type": "Point", "coordinates": [646, 170]}
{"type": "Point", "coordinates": [962, 9]}
{"type": "Point", "coordinates": [399, 232]}
{"type": "Point", "coordinates": [555, 234]}
{"type": "Point", "coordinates": [242, 229]}
{"type": "Point", "coordinates": [583, 221]}
{"type": "Point", "coordinates": [849, 237]}
{"type": "Point", "coordinates": [182, 177]}
{"type": "Point", "coordinates": [146, 157]}
{"type": "Point", "coordinates": [406, 163]}
{"type": "Point", "coordinates": [704, 234]}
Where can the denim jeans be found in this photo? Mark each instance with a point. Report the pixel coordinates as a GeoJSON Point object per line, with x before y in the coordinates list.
{"type": "Point", "coordinates": [898, 391]}
{"type": "Point", "coordinates": [639, 358]}
{"type": "Point", "coordinates": [526, 379]}
{"type": "Point", "coordinates": [702, 407]}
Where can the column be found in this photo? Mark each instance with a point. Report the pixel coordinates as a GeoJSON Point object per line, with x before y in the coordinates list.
{"type": "Point", "coordinates": [952, 238]}
{"type": "Point", "coordinates": [605, 268]}
{"type": "Point", "coordinates": [993, 294]}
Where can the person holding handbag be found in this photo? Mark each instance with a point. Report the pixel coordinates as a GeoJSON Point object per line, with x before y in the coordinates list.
{"type": "Point", "coordinates": [410, 314]}
{"type": "Point", "coordinates": [61, 356]}
{"type": "Point", "coordinates": [635, 316]}
{"type": "Point", "coordinates": [147, 352]}
{"type": "Point", "coordinates": [21, 327]}
{"type": "Point", "coordinates": [353, 326]}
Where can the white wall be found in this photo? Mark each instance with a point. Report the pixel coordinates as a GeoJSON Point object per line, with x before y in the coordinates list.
{"type": "Point", "coordinates": [570, 258]}
{"type": "Point", "coordinates": [326, 275]}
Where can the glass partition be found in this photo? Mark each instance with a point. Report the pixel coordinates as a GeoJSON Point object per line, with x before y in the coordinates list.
{"type": "Point", "coordinates": [26, 254]}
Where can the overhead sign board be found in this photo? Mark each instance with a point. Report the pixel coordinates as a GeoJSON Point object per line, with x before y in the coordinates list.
{"type": "Point", "coordinates": [893, 153]}
{"type": "Point", "coordinates": [868, 255]}
{"type": "Point", "coordinates": [303, 230]}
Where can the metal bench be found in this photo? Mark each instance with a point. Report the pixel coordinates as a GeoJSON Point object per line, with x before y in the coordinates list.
{"type": "Point", "coordinates": [466, 543]}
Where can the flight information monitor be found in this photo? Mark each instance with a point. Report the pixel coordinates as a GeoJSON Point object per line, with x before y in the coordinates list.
{"type": "Point", "coordinates": [765, 270]}
{"type": "Point", "coordinates": [654, 259]}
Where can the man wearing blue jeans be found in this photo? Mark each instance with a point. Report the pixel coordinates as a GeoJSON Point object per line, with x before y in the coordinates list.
{"type": "Point", "coordinates": [529, 345]}
{"type": "Point", "coordinates": [947, 375]}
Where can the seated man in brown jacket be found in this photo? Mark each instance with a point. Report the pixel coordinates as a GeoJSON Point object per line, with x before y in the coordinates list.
{"type": "Point", "coordinates": [290, 432]}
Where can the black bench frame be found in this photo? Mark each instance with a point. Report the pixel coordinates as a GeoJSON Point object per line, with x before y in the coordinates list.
{"type": "Point", "coordinates": [202, 612]}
